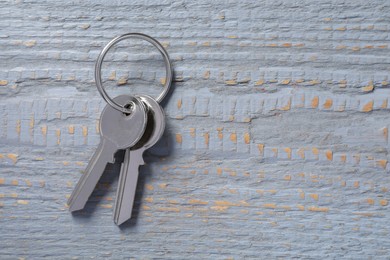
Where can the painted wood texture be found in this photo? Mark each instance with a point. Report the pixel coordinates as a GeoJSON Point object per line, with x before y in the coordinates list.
{"type": "Point", "coordinates": [277, 129]}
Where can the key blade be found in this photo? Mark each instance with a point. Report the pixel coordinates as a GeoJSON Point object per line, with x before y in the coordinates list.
{"type": "Point", "coordinates": [127, 185]}
{"type": "Point", "coordinates": [104, 154]}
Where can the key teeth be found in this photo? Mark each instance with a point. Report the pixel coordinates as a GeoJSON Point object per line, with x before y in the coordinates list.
{"type": "Point", "coordinates": [112, 160]}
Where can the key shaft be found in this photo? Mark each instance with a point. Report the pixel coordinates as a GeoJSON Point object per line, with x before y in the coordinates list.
{"type": "Point", "coordinates": [134, 158]}
{"type": "Point", "coordinates": [127, 185]}
{"type": "Point", "coordinates": [104, 154]}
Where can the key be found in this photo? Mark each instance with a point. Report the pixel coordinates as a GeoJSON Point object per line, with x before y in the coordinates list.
{"type": "Point", "coordinates": [133, 159]}
{"type": "Point", "coordinates": [118, 131]}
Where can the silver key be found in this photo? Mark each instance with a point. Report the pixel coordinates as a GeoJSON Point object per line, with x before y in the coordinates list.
{"type": "Point", "coordinates": [117, 131]}
{"type": "Point", "coordinates": [133, 159]}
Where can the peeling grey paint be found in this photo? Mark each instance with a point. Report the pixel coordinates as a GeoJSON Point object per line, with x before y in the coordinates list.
{"type": "Point", "coordinates": [277, 129]}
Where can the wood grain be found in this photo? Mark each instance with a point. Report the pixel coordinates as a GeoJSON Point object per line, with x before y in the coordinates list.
{"type": "Point", "coordinates": [277, 129]}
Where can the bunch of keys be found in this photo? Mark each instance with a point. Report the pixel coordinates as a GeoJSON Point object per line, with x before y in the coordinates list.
{"type": "Point", "coordinates": [130, 123]}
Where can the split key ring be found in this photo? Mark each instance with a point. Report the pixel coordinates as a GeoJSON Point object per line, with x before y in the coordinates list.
{"type": "Point", "coordinates": [99, 62]}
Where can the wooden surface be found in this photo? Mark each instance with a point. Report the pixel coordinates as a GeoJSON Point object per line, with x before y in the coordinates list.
{"type": "Point", "coordinates": [277, 129]}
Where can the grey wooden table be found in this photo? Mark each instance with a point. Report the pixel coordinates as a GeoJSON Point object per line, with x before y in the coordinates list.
{"type": "Point", "coordinates": [277, 129]}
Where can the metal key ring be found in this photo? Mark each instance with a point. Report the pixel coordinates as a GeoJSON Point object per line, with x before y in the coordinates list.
{"type": "Point", "coordinates": [99, 62]}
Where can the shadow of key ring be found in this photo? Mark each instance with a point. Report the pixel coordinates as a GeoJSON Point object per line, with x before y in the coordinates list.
{"type": "Point", "coordinates": [99, 62]}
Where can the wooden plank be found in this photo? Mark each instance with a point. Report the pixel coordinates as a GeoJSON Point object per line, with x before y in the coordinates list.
{"type": "Point", "coordinates": [277, 129]}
